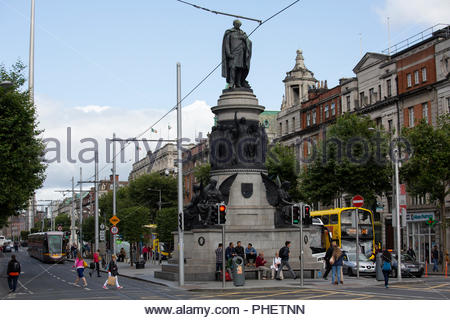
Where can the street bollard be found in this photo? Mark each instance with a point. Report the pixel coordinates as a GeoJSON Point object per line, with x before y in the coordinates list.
{"type": "Point", "coordinates": [446, 266]}
{"type": "Point", "coordinates": [426, 269]}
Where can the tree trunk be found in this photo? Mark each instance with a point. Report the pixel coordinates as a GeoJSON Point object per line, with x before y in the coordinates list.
{"type": "Point", "coordinates": [131, 254]}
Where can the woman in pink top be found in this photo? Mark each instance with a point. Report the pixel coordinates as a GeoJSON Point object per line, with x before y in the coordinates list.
{"type": "Point", "coordinates": [79, 265]}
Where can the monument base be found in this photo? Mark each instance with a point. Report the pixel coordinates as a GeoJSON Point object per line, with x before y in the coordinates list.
{"type": "Point", "coordinates": [200, 246]}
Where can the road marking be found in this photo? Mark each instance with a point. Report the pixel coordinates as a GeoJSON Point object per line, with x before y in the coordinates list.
{"type": "Point", "coordinates": [26, 289]}
{"type": "Point", "coordinates": [320, 296]}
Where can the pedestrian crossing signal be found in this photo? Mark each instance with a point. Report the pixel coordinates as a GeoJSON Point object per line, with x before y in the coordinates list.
{"type": "Point", "coordinates": [221, 213]}
{"type": "Point", "coordinates": [307, 214]}
{"type": "Point", "coordinates": [295, 214]}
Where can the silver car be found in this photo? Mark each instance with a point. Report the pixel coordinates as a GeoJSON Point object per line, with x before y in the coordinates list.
{"type": "Point", "coordinates": [366, 266]}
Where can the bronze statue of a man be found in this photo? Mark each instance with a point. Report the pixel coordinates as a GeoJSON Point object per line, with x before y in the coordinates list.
{"type": "Point", "coordinates": [236, 55]}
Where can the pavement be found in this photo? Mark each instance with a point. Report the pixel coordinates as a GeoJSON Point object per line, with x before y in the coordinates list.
{"type": "Point", "coordinates": [147, 274]}
{"type": "Point", "coordinates": [40, 281]}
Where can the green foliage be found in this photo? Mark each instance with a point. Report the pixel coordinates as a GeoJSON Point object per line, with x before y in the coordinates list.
{"type": "Point", "coordinates": [202, 173]}
{"type": "Point", "coordinates": [281, 163]}
{"type": "Point", "coordinates": [167, 222]}
{"type": "Point", "coordinates": [64, 221]}
{"type": "Point", "coordinates": [428, 170]}
{"type": "Point", "coordinates": [24, 235]}
{"type": "Point", "coordinates": [139, 193]}
{"type": "Point", "coordinates": [35, 230]}
{"type": "Point", "coordinates": [89, 229]}
{"type": "Point", "coordinates": [353, 160]}
{"type": "Point", "coordinates": [21, 150]}
{"type": "Point", "coordinates": [133, 220]}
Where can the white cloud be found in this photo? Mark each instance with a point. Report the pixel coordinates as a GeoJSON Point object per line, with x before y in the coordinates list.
{"type": "Point", "coordinates": [426, 12]}
{"type": "Point", "coordinates": [55, 118]}
{"type": "Point", "coordinates": [92, 108]}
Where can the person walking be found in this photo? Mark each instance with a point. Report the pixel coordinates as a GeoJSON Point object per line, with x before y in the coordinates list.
{"type": "Point", "coordinates": [113, 272]}
{"type": "Point", "coordinates": [145, 252]}
{"type": "Point", "coordinates": [284, 255]}
{"type": "Point", "coordinates": [336, 262]}
{"type": "Point", "coordinates": [80, 264]}
{"type": "Point", "coordinates": [219, 260]}
{"type": "Point", "coordinates": [13, 272]}
{"type": "Point", "coordinates": [97, 264]}
{"type": "Point", "coordinates": [435, 258]}
{"type": "Point", "coordinates": [386, 267]}
{"type": "Point", "coordinates": [327, 258]}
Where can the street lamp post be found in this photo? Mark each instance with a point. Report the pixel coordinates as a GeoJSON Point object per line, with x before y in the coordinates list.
{"type": "Point", "coordinates": [397, 209]}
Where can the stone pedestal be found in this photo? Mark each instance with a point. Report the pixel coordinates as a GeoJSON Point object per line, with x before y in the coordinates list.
{"type": "Point", "coordinates": [238, 147]}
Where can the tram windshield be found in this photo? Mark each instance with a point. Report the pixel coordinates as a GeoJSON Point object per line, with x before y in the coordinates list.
{"type": "Point", "coordinates": [54, 244]}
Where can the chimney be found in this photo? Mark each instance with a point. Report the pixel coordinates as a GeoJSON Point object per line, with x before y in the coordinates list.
{"type": "Point", "coordinates": [326, 85]}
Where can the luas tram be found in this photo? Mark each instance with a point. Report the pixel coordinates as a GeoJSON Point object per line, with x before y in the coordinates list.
{"type": "Point", "coordinates": [47, 246]}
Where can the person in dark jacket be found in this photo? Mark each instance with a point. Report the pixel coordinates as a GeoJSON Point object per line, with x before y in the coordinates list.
{"type": "Point", "coordinates": [386, 267]}
{"type": "Point", "coordinates": [411, 253]}
{"type": "Point", "coordinates": [337, 259]}
{"type": "Point", "coordinates": [284, 255]}
{"type": "Point", "coordinates": [327, 258]}
{"type": "Point", "coordinates": [13, 272]}
{"type": "Point", "coordinates": [435, 258]}
{"type": "Point", "coordinates": [113, 271]}
{"type": "Point", "coordinates": [239, 249]}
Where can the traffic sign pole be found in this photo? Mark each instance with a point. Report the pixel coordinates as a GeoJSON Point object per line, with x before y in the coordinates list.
{"type": "Point", "coordinates": [357, 202]}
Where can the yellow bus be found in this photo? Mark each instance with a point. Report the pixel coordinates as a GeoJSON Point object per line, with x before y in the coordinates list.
{"type": "Point", "coordinates": [339, 223]}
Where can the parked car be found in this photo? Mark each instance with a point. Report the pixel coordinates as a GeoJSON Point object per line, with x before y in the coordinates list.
{"type": "Point", "coordinates": [366, 266]}
{"type": "Point", "coordinates": [7, 247]}
{"type": "Point", "coordinates": [410, 267]}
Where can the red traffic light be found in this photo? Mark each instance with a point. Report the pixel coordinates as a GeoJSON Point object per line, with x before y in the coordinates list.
{"type": "Point", "coordinates": [222, 208]}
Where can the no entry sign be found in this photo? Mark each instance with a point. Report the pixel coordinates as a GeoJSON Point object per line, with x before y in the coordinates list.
{"type": "Point", "coordinates": [114, 230]}
{"type": "Point", "coordinates": [358, 201]}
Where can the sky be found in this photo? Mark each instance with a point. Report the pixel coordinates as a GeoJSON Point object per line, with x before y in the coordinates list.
{"type": "Point", "coordinates": [110, 66]}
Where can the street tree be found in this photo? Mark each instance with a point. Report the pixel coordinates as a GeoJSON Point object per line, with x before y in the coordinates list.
{"type": "Point", "coordinates": [202, 173]}
{"type": "Point", "coordinates": [64, 221]}
{"type": "Point", "coordinates": [144, 191]}
{"type": "Point", "coordinates": [166, 223]}
{"type": "Point", "coordinates": [132, 225]}
{"type": "Point", "coordinates": [88, 229]}
{"type": "Point", "coordinates": [21, 149]}
{"type": "Point", "coordinates": [427, 172]}
{"type": "Point", "coordinates": [281, 163]}
{"type": "Point", "coordinates": [351, 159]}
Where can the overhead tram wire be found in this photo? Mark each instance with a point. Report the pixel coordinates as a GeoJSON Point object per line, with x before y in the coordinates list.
{"type": "Point", "coordinates": [201, 81]}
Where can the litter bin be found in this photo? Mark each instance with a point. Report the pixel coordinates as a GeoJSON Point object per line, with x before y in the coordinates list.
{"type": "Point", "coordinates": [379, 267]}
{"type": "Point", "coordinates": [238, 271]}
{"type": "Point", "coordinates": [140, 264]}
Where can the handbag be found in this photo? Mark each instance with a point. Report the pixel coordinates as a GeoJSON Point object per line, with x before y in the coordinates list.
{"type": "Point", "coordinates": [111, 281]}
{"type": "Point", "coordinates": [85, 264]}
{"type": "Point", "coordinates": [332, 260]}
{"type": "Point", "coordinates": [386, 266]}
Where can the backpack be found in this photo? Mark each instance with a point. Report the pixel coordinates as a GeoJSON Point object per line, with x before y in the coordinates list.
{"type": "Point", "coordinates": [386, 266]}
{"type": "Point", "coordinates": [284, 253]}
{"type": "Point", "coordinates": [15, 267]}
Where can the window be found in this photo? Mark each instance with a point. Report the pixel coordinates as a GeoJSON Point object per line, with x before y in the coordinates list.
{"type": "Point", "coordinates": [408, 80]}
{"type": "Point", "coordinates": [370, 95]}
{"type": "Point", "coordinates": [379, 92]}
{"type": "Point", "coordinates": [308, 119]}
{"type": "Point", "coordinates": [287, 126]}
{"type": "Point", "coordinates": [333, 109]}
{"type": "Point", "coordinates": [390, 125]}
{"type": "Point", "coordinates": [424, 74]}
{"type": "Point", "coordinates": [425, 111]}
{"type": "Point", "coordinates": [293, 124]}
{"type": "Point", "coordinates": [348, 102]}
{"type": "Point", "coordinates": [411, 117]}
{"type": "Point", "coordinates": [325, 219]}
{"type": "Point", "coordinates": [378, 122]}
{"type": "Point", "coordinates": [416, 77]}
{"type": "Point", "coordinates": [281, 128]}
{"type": "Point", "coordinates": [389, 87]}
{"type": "Point", "coordinates": [334, 219]}
{"type": "Point", "coordinates": [326, 112]}
{"type": "Point", "coordinates": [314, 117]}
{"type": "Point", "coordinates": [448, 104]}
{"type": "Point", "coordinates": [361, 98]}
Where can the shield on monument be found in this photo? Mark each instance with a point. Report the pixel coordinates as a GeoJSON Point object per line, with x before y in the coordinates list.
{"type": "Point", "coordinates": [247, 189]}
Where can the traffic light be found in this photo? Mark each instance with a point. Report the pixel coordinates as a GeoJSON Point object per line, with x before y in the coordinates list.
{"type": "Point", "coordinates": [307, 214]}
{"type": "Point", "coordinates": [295, 209]}
{"type": "Point", "coordinates": [221, 213]}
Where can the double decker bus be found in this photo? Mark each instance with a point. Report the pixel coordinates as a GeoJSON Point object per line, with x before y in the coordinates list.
{"type": "Point", "coordinates": [339, 222]}
{"type": "Point", "coordinates": [47, 246]}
